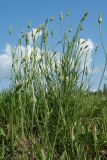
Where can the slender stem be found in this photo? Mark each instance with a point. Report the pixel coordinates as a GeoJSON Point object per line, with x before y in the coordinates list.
{"type": "Point", "coordinates": [105, 57]}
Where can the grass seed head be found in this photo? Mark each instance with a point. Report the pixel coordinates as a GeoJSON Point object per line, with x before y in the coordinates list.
{"type": "Point", "coordinates": [61, 16]}
{"type": "Point", "coordinates": [100, 19]}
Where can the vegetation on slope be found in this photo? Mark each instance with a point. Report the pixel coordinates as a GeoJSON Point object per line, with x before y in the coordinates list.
{"type": "Point", "coordinates": [49, 112]}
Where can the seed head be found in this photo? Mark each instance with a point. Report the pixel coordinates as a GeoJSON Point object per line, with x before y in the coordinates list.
{"type": "Point", "coordinates": [68, 14]}
{"type": "Point", "coordinates": [10, 30]}
{"type": "Point", "coordinates": [70, 29]}
{"type": "Point", "coordinates": [69, 44]}
{"type": "Point", "coordinates": [100, 19]}
{"type": "Point", "coordinates": [81, 28]}
{"type": "Point", "coordinates": [20, 40]}
{"type": "Point", "coordinates": [41, 27]}
{"type": "Point", "coordinates": [61, 16]}
{"type": "Point", "coordinates": [45, 36]}
{"type": "Point", "coordinates": [25, 58]}
{"type": "Point", "coordinates": [84, 17]}
{"type": "Point", "coordinates": [96, 48]}
{"type": "Point", "coordinates": [29, 25]}
{"type": "Point", "coordinates": [86, 46]}
{"type": "Point", "coordinates": [18, 87]}
{"type": "Point", "coordinates": [52, 32]}
{"type": "Point", "coordinates": [52, 19]}
{"type": "Point", "coordinates": [27, 39]}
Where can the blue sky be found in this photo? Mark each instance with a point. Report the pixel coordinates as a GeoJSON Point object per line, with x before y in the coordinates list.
{"type": "Point", "coordinates": [17, 13]}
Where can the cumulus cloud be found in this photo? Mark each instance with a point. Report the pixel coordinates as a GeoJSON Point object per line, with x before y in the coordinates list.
{"type": "Point", "coordinates": [85, 48]}
{"type": "Point", "coordinates": [6, 60]}
{"type": "Point", "coordinates": [34, 33]}
{"type": "Point", "coordinates": [105, 74]}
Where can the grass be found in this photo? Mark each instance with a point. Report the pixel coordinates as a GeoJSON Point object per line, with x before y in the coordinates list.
{"type": "Point", "coordinates": [49, 112]}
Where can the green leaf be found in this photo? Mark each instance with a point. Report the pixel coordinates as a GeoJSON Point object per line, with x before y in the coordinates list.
{"type": "Point", "coordinates": [2, 133]}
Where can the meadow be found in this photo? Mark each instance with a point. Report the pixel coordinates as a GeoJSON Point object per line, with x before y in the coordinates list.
{"type": "Point", "coordinates": [49, 112]}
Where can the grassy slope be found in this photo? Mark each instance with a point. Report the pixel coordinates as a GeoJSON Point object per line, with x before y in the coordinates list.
{"type": "Point", "coordinates": [48, 114]}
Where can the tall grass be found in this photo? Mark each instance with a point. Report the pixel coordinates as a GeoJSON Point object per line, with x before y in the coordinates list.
{"type": "Point", "coordinates": [49, 112]}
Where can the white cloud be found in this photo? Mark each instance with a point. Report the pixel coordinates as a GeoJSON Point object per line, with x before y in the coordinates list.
{"type": "Point", "coordinates": [35, 33]}
{"type": "Point", "coordinates": [97, 70]}
{"type": "Point", "coordinates": [88, 42]}
{"type": "Point", "coordinates": [105, 75]}
{"type": "Point", "coordinates": [94, 90]}
{"type": "Point", "coordinates": [6, 60]}
{"type": "Point", "coordinates": [86, 49]}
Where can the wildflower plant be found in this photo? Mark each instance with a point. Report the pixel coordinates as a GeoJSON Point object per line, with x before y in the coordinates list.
{"type": "Point", "coordinates": [48, 113]}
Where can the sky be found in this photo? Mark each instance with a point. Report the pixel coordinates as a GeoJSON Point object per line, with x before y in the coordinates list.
{"type": "Point", "coordinates": [17, 13]}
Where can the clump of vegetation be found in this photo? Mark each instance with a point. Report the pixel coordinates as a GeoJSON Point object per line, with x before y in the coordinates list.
{"type": "Point", "coordinates": [49, 112]}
